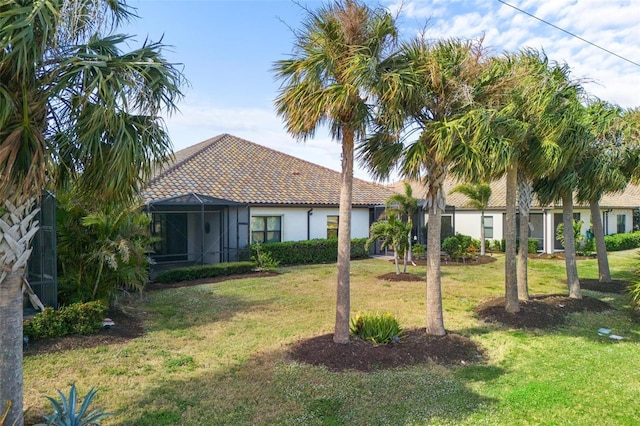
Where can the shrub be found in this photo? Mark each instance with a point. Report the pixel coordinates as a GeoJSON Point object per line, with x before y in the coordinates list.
{"type": "Point", "coordinates": [100, 249]}
{"type": "Point", "coordinates": [67, 413]}
{"type": "Point", "coordinates": [310, 251]}
{"type": "Point", "coordinates": [204, 271]}
{"type": "Point", "coordinates": [460, 246]}
{"type": "Point", "coordinates": [418, 251]}
{"type": "Point", "coordinates": [377, 328]}
{"type": "Point", "coordinates": [532, 246]}
{"type": "Point", "coordinates": [77, 318]}
{"type": "Point", "coordinates": [263, 259]}
{"type": "Point", "coordinates": [48, 323]}
{"type": "Point", "coordinates": [627, 241]}
{"type": "Point", "coordinates": [588, 247]}
{"type": "Point", "coordinates": [577, 235]}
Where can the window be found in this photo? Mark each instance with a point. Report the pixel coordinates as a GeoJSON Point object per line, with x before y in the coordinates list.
{"type": "Point", "coordinates": [622, 219]}
{"type": "Point", "coordinates": [332, 226]}
{"type": "Point", "coordinates": [266, 229]}
{"type": "Point", "coordinates": [488, 226]}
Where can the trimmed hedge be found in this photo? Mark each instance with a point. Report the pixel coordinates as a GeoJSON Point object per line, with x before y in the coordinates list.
{"type": "Point", "coordinates": [532, 245]}
{"type": "Point", "coordinates": [311, 251]}
{"type": "Point", "coordinates": [204, 271]}
{"type": "Point", "coordinates": [618, 242]}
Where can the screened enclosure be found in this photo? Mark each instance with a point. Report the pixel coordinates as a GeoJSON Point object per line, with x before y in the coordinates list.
{"type": "Point", "coordinates": [194, 229]}
{"type": "Point", "coordinates": [42, 267]}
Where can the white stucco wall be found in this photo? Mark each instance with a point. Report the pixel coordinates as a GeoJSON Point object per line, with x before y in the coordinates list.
{"type": "Point", "coordinates": [468, 223]}
{"type": "Point", "coordinates": [294, 221]}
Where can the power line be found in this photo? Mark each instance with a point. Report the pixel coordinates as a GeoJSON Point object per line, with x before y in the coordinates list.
{"type": "Point", "coordinates": [570, 33]}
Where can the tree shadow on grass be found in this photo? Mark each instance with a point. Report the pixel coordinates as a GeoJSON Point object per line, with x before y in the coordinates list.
{"type": "Point", "coordinates": [271, 388]}
{"type": "Point", "coordinates": [130, 322]}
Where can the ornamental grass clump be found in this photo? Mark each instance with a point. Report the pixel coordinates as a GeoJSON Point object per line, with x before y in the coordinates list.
{"type": "Point", "coordinates": [377, 328]}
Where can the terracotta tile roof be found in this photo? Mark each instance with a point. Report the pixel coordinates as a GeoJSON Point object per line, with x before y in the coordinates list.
{"type": "Point", "coordinates": [234, 169]}
{"type": "Point", "coordinates": [630, 198]}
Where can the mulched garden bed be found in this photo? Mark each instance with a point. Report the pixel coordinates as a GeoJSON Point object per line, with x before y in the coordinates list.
{"type": "Point", "coordinates": [415, 347]}
{"type": "Point", "coordinates": [544, 311]}
{"type": "Point", "coordinates": [613, 286]}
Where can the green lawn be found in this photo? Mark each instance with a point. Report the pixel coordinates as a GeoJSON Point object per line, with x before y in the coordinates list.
{"type": "Point", "coordinates": [216, 354]}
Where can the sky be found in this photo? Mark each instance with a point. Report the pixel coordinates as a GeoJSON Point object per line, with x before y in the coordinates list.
{"type": "Point", "coordinates": [227, 48]}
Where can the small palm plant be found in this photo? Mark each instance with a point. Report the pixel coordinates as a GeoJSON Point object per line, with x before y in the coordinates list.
{"type": "Point", "coordinates": [378, 328]}
{"type": "Point", "coordinates": [65, 413]}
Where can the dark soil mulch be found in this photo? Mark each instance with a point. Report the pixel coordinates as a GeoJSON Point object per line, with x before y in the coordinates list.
{"type": "Point", "coordinates": [613, 286]}
{"type": "Point", "coordinates": [392, 276]}
{"type": "Point", "coordinates": [545, 311]}
{"type": "Point", "coordinates": [415, 347]}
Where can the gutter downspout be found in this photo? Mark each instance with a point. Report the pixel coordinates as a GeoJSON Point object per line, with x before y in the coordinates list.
{"type": "Point", "coordinates": [309, 214]}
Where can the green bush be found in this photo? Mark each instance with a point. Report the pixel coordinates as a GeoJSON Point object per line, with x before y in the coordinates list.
{"type": "Point", "coordinates": [204, 271]}
{"type": "Point", "coordinates": [101, 248]}
{"type": "Point", "coordinates": [377, 328]}
{"type": "Point", "coordinates": [618, 242]}
{"type": "Point", "coordinates": [77, 318]}
{"type": "Point", "coordinates": [461, 246]}
{"type": "Point", "coordinates": [588, 247]}
{"type": "Point", "coordinates": [310, 251]}
{"type": "Point", "coordinates": [532, 246]}
{"type": "Point", "coordinates": [263, 259]}
{"type": "Point", "coordinates": [418, 251]}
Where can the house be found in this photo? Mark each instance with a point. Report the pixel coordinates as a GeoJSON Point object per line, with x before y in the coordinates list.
{"type": "Point", "coordinates": [219, 196]}
{"type": "Point", "coordinates": [617, 214]}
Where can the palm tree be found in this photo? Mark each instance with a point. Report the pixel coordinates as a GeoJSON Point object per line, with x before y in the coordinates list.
{"type": "Point", "coordinates": [560, 186]}
{"type": "Point", "coordinates": [73, 106]}
{"type": "Point", "coordinates": [429, 91]}
{"type": "Point", "coordinates": [393, 233]}
{"type": "Point", "coordinates": [328, 81]}
{"type": "Point", "coordinates": [604, 168]}
{"type": "Point", "coordinates": [404, 206]}
{"type": "Point", "coordinates": [534, 98]}
{"type": "Point", "coordinates": [479, 195]}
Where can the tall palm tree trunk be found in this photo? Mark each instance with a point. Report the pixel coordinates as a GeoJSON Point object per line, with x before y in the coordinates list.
{"type": "Point", "coordinates": [435, 318]}
{"type": "Point", "coordinates": [511, 283]}
{"type": "Point", "coordinates": [573, 282]}
{"type": "Point", "coordinates": [604, 274]}
{"type": "Point", "coordinates": [525, 197]}
{"type": "Point", "coordinates": [11, 346]}
{"type": "Point", "coordinates": [17, 228]}
{"type": "Point", "coordinates": [523, 253]}
{"type": "Point", "coordinates": [343, 296]}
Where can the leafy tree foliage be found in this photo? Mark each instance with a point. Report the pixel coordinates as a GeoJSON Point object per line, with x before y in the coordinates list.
{"type": "Point", "coordinates": [75, 105]}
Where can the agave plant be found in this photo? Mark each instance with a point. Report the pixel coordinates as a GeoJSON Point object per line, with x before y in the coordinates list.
{"type": "Point", "coordinates": [65, 413]}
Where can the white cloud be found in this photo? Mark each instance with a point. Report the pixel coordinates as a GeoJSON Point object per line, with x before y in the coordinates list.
{"type": "Point", "coordinates": [614, 25]}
